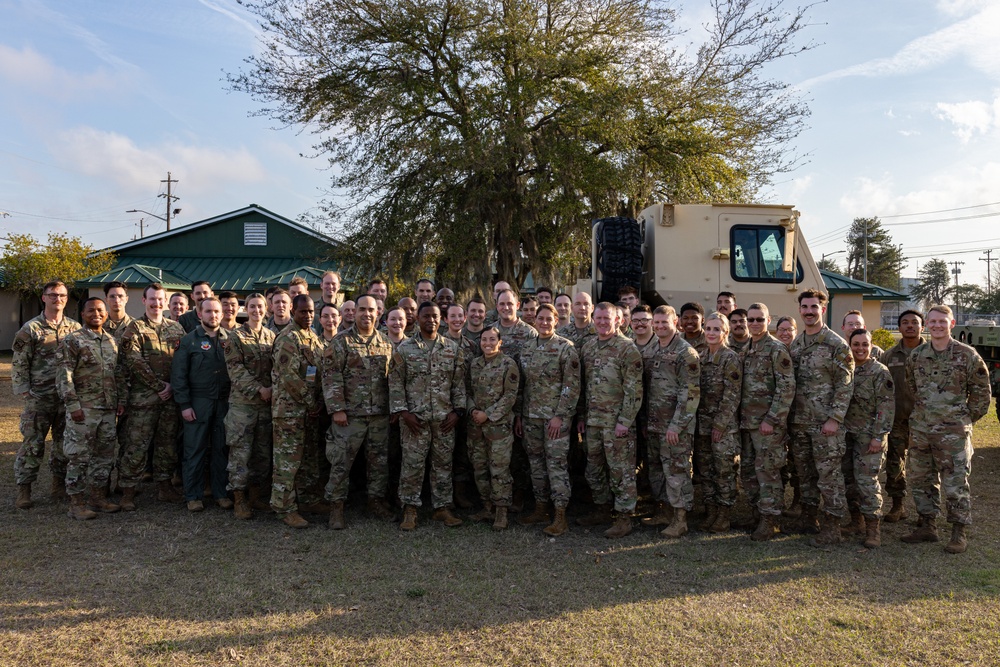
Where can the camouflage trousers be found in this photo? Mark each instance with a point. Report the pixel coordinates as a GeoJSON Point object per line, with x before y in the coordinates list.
{"type": "Point", "coordinates": [549, 461]}
{"type": "Point", "coordinates": [818, 459]}
{"type": "Point", "coordinates": [295, 459]}
{"type": "Point", "coordinates": [415, 447]}
{"type": "Point", "coordinates": [761, 459]}
{"type": "Point", "coordinates": [249, 439]}
{"type": "Point", "coordinates": [40, 415]}
{"type": "Point", "coordinates": [717, 461]}
{"type": "Point", "coordinates": [939, 460]}
{"type": "Point", "coordinates": [610, 457]}
{"type": "Point", "coordinates": [670, 469]}
{"type": "Point", "coordinates": [89, 449]}
{"type": "Point", "coordinates": [490, 448]}
{"type": "Point", "coordinates": [342, 446]}
{"type": "Point", "coordinates": [156, 424]}
{"type": "Point", "coordinates": [895, 460]}
{"type": "Point", "coordinates": [864, 491]}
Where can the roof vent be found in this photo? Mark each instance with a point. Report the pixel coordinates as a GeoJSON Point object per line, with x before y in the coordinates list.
{"type": "Point", "coordinates": [255, 233]}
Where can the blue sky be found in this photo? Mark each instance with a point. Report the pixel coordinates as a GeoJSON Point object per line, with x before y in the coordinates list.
{"type": "Point", "coordinates": [102, 98]}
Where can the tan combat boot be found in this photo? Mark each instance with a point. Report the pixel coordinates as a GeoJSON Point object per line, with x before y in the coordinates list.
{"type": "Point", "coordinates": [59, 489]}
{"type": "Point", "coordinates": [679, 526]}
{"type": "Point", "coordinates": [409, 518]}
{"type": "Point", "coordinates": [23, 501]}
{"type": "Point", "coordinates": [78, 508]}
{"type": "Point", "coordinates": [128, 499]}
{"type": "Point", "coordinates": [710, 516]}
{"type": "Point", "coordinates": [829, 532]}
{"type": "Point", "coordinates": [485, 514]}
{"type": "Point", "coordinates": [166, 493]}
{"type": "Point", "coordinates": [559, 525]}
{"type": "Point", "coordinates": [873, 533]}
{"type": "Point", "coordinates": [621, 527]}
{"type": "Point", "coordinates": [721, 524]}
{"type": "Point", "coordinates": [767, 528]}
{"type": "Point", "coordinates": [380, 509]}
{"type": "Point", "coordinates": [336, 521]}
{"type": "Point", "coordinates": [241, 506]}
{"type": "Point", "coordinates": [662, 517]}
{"type": "Point", "coordinates": [540, 515]}
{"type": "Point", "coordinates": [601, 515]}
{"type": "Point", "coordinates": [897, 512]}
{"type": "Point", "coordinates": [295, 520]}
{"type": "Point", "coordinates": [958, 543]}
{"type": "Point", "coordinates": [856, 525]}
{"type": "Point", "coordinates": [925, 532]}
{"type": "Point", "coordinates": [500, 522]}
{"type": "Point", "coordinates": [444, 515]}
{"type": "Point", "coordinates": [99, 501]}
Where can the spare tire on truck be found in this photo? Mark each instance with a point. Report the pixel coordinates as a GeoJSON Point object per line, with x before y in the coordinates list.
{"type": "Point", "coordinates": [619, 256]}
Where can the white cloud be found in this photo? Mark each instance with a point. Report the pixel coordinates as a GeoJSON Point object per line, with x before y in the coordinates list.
{"type": "Point", "coordinates": [961, 7]}
{"type": "Point", "coordinates": [230, 12]}
{"type": "Point", "coordinates": [971, 118]}
{"type": "Point", "coordinates": [27, 69]}
{"type": "Point", "coordinates": [952, 186]}
{"type": "Point", "coordinates": [909, 133]}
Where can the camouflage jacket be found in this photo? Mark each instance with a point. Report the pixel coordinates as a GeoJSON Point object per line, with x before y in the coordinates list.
{"type": "Point", "coordinates": [88, 375]}
{"type": "Point", "coordinates": [147, 353]}
{"type": "Point", "coordinates": [612, 382]}
{"type": "Point", "coordinates": [34, 365]}
{"type": "Point", "coordinates": [823, 369]}
{"type": "Point", "coordinates": [474, 336]}
{"type": "Point", "coordinates": [951, 389]}
{"type": "Point", "coordinates": [577, 336]}
{"type": "Point", "coordinates": [671, 387]}
{"type": "Point", "coordinates": [873, 402]}
{"type": "Point", "coordinates": [427, 378]}
{"type": "Point", "coordinates": [356, 374]}
{"type": "Point", "coordinates": [698, 342]}
{"type": "Point", "coordinates": [278, 328]}
{"type": "Point", "coordinates": [469, 347]}
{"type": "Point", "coordinates": [768, 384]}
{"type": "Point", "coordinates": [117, 329]}
{"type": "Point", "coordinates": [895, 360]}
{"type": "Point", "coordinates": [550, 379]}
{"type": "Point", "coordinates": [515, 337]}
{"type": "Point", "coordinates": [249, 361]}
{"type": "Point", "coordinates": [493, 387]}
{"type": "Point", "coordinates": [199, 368]}
{"type": "Point", "coordinates": [295, 377]}
{"type": "Point", "coordinates": [736, 346]}
{"type": "Point", "coordinates": [721, 385]}
{"type": "Point", "coordinates": [652, 342]}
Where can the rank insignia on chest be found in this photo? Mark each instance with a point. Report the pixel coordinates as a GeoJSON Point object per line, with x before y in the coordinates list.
{"type": "Point", "coordinates": [206, 345]}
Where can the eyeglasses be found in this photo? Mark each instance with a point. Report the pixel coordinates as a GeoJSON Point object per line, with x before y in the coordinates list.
{"type": "Point", "coordinates": [756, 319]}
{"type": "Point", "coordinates": [58, 296]}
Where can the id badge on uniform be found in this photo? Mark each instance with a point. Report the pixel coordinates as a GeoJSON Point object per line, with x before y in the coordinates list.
{"type": "Point", "coordinates": [310, 373]}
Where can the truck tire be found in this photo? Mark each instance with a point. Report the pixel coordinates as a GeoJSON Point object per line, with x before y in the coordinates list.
{"type": "Point", "coordinates": [619, 255]}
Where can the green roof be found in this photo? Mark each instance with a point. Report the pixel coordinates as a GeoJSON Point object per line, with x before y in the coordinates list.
{"type": "Point", "coordinates": [840, 284]}
{"type": "Point", "coordinates": [135, 275]}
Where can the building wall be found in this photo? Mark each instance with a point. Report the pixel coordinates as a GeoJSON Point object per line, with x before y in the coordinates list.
{"type": "Point", "coordinates": [9, 324]}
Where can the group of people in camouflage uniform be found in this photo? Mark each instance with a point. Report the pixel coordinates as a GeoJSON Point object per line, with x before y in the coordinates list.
{"type": "Point", "coordinates": [271, 414]}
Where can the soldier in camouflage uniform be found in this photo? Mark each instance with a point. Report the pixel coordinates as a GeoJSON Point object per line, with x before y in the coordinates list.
{"type": "Point", "coordinates": [672, 391]}
{"type": "Point", "coordinates": [356, 391]}
{"type": "Point", "coordinates": [475, 312]}
{"type": "Point", "coordinates": [462, 473]}
{"type": "Point", "coordinates": [146, 353]}
{"type": "Point", "coordinates": [427, 392]}
{"type": "Point", "coordinates": [951, 389]}
{"type": "Point", "coordinates": [692, 318]}
{"type": "Point", "coordinates": [739, 337]}
{"type": "Point", "coordinates": [767, 393]}
{"type": "Point", "coordinates": [581, 327]}
{"type": "Point", "coordinates": [642, 328]}
{"type": "Point", "coordinates": [868, 421]}
{"type": "Point", "coordinates": [717, 439]}
{"type": "Point", "coordinates": [823, 370]}
{"type": "Point", "coordinates": [248, 422]}
{"type": "Point", "coordinates": [116, 293]}
{"type": "Point", "coordinates": [295, 405]}
{"type": "Point", "coordinates": [281, 305]}
{"type": "Point", "coordinates": [609, 403]}
{"type": "Point", "coordinates": [550, 391]}
{"type": "Point", "coordinates": [33, 376]}
{"type": "Point", "coordinates": [493, 316]}
{"type": "Point", "coordinates": [88, 380]}
{"type": "Point", "coordinates": [910, 324]}
{"type": "Point", "coordinates": [491, 394]}
{"type": "Point", "coordinates": [853, 321]}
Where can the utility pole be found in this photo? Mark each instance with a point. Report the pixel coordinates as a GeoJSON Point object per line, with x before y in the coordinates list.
{"type": "Point", "coordinates": [170, 198]}
{"type": "Point", "coordinates": [957, 271]}
{"type": "Point", "coordinates": [989, 283]}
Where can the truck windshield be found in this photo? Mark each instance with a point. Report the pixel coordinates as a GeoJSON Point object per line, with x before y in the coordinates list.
{"type": "Point", "coordinates": [757, 254]}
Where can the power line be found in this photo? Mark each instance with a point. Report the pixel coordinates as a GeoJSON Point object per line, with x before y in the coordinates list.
{"type": "Point", "coordinates": [943, 210]}
{"type": "Point", "coordinates": [927, 222]}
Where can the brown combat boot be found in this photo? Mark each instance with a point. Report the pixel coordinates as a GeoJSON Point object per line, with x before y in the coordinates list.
{"type": "Point", "coordinates": [540, 515]}
{"type": "Point", "coordinates": [258, 500]}
{"type": "Point", "coordinates": [23, 501]}
{"type": "Point", "coordinates": [897, 512]}
{"type": "Point", "coordinates": [409, 518]}
{"type": "Point", "coordinates": [856, 525]}
{"type": "Point", "coordinates": [710, 516]}
{"type": "Point", "coordinates": [679, 526]}
{"type": "Point", "coordinates": [78, 508]}
{"type": "Point", "coordinates": [195, 506]}
{"type": "Point", "coordinates": [829, 532]}
{"type": "Point", "coordinates": [807, 523]}
{"type": "Point", "coordinates": [601, 515]}
{"type": "Point", "coordinates": [559, 525]}
{"type": "Point", "coordinates": [958, 543]}
{"type": "Point", "coordinates": [128, 499]}
{"type": "Point", "coordinates": [295, 520]}
{"type": "Point", "coordinates": [166, 493]}
{"type": "Point", "coordinates": [500, 522]}
{"type": "Point", "coordinates": [241, 506]}
{"type": "Point", "coordinates": [99, 501]}
{"type": "Point", "coordinates": [380, 509]}
{"type": "Point", "coordinates": [336, 521]}
{"type": "Point", "coordinates": [59, 489]}
{"type": "Point", "coordinates": [767, 529]}
{"type": "Point", "coordinates": [662, 517]}
{"type": "Point", "coordinates": [621, 527]}
{"type": "Point", "coordinates": [485, 514]}
{"type": "Point", "coordinates": [873, 533]}
{"type": "Point", "coordinates": [721, 524]}
{"type": "Point", "coordinates": [444, 515]}
{"type": "Point", "coordinates": [925, 532]}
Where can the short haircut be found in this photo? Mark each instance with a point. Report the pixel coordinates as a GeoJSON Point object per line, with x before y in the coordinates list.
{"type": "Point", "coordinates": [547, 307]}
{"type": "Point", "coordinates": [200, 282]}
{"type": "Point", "coordinates": [210, 299]}
{"type": "Point", "coordinates": [626, 290]}
{"type": "Point", "coordinates": [269, 291]}
{"type": "Point", "coordinates": [941, 308]}
{"type": "Point", "coordinates": [298, 280]}
{"type": "Point", "coordinates": [916, 313]}
{"type": "Point", "coordinates": [228, 294]}
{"type": "Point", "coordinates": [110, 286]}
{"type": "Point", "coordinates": [365, 296]}
{"type": "Point", "coordinates": [528, 299]}
{"type": "Point", "coordinates": [476, 299]}
{"type": "Point", "coordinates": [762, 307]}
{"type": "Point", "coordinates": [642, 308]}
{"type": "Point", "coordinates": [52, 284]}
{"type": "Point", "coordinates": [425, 305]}
{"type": "Point", "coordinates": [176, 294]}
{"type": "Point", "coordinates": [561, 294]}
{"type": "Point", "coordinates": [665, 310]}
{"type": "Point", "coordinates": [331, 306]}
{"type": "Point", "coordinates": [726, 294]}
{"type": "Point", "coordinates": [513, 294]}
{"type": "Point", "coordinates": [151, 286]}
{"type": "Point", "coordinates": [858, 332]}
{"type": "Point", "coordinates": [786, 318]}
{"type": "Point", "coordinates": [494, 329]}
{"type": "Point", "coordinates": [376, 281]}
{"type": "Point", "coordinates": [279, 291]}
{"type": "Point", "coordinates": [426, 280]}
{"type": "Point", "coordinates": [300, 298]}
{"type": "Point", "coordinates": [693, 305]}
{"type": "Point", "coordinates": [607, 305]}
{"type": "Point", "coordinates": [83, 304]}
{"type": "Point", "coordinates": [812, 293]}
{"type": "Point", "coordinates": [330, 273]}
{"type": "Point", "coordinates": [738, 311]}
{"type": "Point", "coordinates": [389, 312]}
{"type": "Point", "coordinates": [851, 312]}
{"type": "Point", "coordinates": [539, 290]}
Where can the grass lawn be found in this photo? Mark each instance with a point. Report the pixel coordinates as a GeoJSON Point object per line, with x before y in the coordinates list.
{"type": "Point", "coordinates": [162, 587]}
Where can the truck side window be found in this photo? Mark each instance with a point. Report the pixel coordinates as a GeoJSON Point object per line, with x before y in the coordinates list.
{"type": "Point", "coordinates": [757, 254]}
